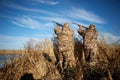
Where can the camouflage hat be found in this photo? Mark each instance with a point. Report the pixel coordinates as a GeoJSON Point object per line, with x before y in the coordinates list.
{"type": "Point", "coordinates": [92, 26]}
{"type": "Point", "coordinates": [66, 24]}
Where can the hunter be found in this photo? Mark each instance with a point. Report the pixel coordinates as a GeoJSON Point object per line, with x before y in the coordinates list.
{"type": "Point", "coordinates": [65, 46]}
{"type": "Point", "coordinates": [90, 36]}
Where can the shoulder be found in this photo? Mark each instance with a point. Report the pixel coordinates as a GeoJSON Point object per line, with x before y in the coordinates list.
{"type": "Point", "coordinates": [57, 28]}
{"type": "Point", "coordinates": [96, 31]}
{"type": "Point", "coordinates": [71, 30]}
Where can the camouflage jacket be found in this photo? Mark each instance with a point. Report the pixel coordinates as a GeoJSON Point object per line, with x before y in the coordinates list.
{"type": "Point", "coordinates": [65, 36]}
{"type": "Point", "coordinates": [89, 38]}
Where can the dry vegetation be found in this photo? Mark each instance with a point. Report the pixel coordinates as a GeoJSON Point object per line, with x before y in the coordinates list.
{"type": "Point", "coordinates": [11, 51]}
{"type": "Point", "coordinates": [40, 63]}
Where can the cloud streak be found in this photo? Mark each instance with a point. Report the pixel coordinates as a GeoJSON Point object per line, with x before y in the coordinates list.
{"type": "Point", "coordinates": [109, 37]}
{"type": "Point", "coordinates": [49, 2]}
{"type": "Point", "coordinates": [86, 15]}
{"type": "Point", "coordinates": [28, 22]}
{"type": "Point", "coordinates": [58, 19]}
{"type": "Point", "coordinates": [19, 7]}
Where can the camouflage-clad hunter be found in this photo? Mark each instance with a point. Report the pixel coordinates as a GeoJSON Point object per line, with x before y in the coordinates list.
{"type": "Point", "coordinates": [65, 46]}
{"type": "Point", "coordinates": [90, 43]}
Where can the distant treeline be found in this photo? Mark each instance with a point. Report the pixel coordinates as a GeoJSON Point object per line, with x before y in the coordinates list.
{"type": "Point", "coordinates": [5, 51]}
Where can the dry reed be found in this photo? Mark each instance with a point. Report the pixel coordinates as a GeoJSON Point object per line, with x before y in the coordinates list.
{"type": "Point", "coordinates": [40, 64]}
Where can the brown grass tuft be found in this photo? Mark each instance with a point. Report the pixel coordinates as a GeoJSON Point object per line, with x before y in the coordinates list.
{"type": "Point", "coordinates": [35, 64]}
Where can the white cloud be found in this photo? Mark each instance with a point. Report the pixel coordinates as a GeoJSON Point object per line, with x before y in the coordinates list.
{"type": "Point", "coordinates": [48, 24]}
{"type": "Point", "coordinates": [63, 20]}
{"type": "Point", "coordinates": [57, 19]}
{"type": "Point", "coordinates": [86, 15]}
{"type": "Point", "coordinates": [60, 20]}
{"type": "Point", "coordinates": [80, 23]}
{"type": "Point", "coordinates": [109, 37]}
{"type": "Point", "coordinates": [30, 22]}
{"type": "Point", "coordinates": [19, 7]}
{"type": "Point", "coordinates": [26, 21]}
{"type": "Point", "coordinates": [49, 2]}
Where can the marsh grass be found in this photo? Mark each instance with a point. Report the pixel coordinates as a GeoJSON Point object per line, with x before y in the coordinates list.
{"type": "Point", "coordinates": [40, 63]}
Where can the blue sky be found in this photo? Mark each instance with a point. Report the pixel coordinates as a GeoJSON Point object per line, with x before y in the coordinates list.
{"type": "Point", "coordinates": [21, 20]}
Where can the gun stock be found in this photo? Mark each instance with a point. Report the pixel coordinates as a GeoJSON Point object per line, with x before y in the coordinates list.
{"type": "Point", "coordinates": [80, 25]}
{"type": "Point", "coordinates": [58, 23]}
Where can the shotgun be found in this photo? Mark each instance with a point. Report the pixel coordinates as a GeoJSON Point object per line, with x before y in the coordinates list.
{"type": "Point", "coordinates": [58, 23]}
{"type": "Point", "coordinates": [80, 25]}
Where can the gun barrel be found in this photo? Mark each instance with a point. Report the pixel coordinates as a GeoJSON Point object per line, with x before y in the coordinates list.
{"type": "Point", "coordinates": [76, 23]}
{"type": "Point", "coordinates": [80, 25]}
{"type": "Point", "coordinates": [58, 23]}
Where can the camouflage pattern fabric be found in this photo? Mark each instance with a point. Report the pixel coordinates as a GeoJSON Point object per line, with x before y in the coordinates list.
{"type": "Point", "coordinates": [89, 44]}
{"type": "Point", "coordinates": [65, 46]}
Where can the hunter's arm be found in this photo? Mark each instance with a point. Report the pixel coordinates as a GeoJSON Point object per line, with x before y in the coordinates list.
{"type": "Point", "coordinates": [95, 35]}
{"type": "Point", "coordinates": [72, 32]}
{"type": "Point", "coordinates": [57, 30]}
{"type": "Point", "coordinates": [81, 32]}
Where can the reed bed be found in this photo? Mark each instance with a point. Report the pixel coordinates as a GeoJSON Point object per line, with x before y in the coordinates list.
{"type": "Point", "coordinates": [40, 63]}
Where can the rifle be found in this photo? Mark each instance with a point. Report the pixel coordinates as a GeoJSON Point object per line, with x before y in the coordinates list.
{"type": "Point", "coordinates": [80, 25]}
{"type": "Point", "coordinates": [58, 23]}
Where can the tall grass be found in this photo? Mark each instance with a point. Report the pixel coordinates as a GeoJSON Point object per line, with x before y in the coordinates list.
{"type": "Point", "coordinates": [35, 64]}
{"type": "Point", "coordinates": [41, 59]}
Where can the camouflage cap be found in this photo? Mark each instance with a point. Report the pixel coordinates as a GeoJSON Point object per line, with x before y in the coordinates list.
{"type": "Point", "coordinates": [66, 25]}
{"type": "Point", "coordinates": [92, 26]}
